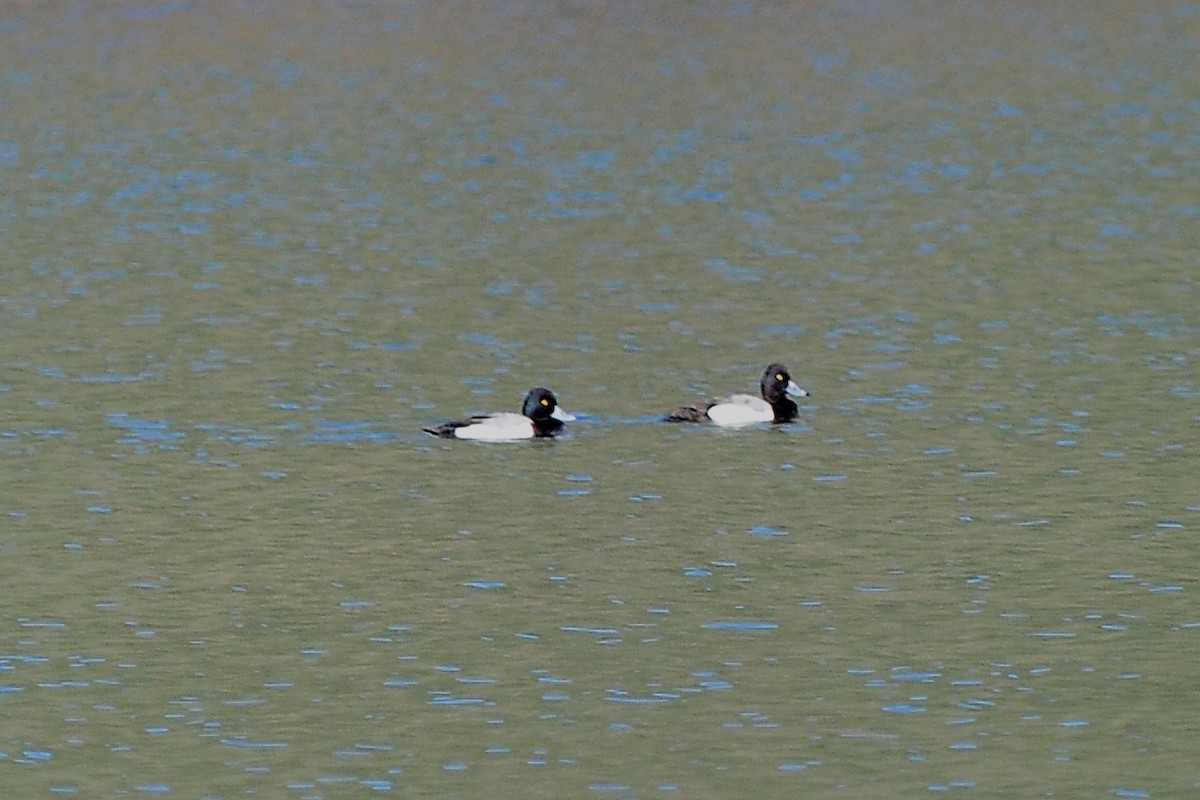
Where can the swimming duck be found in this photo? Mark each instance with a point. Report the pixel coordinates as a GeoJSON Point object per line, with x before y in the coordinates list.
{"type": "Point", "coordinates": [540, 417]}
{"type": "Point", "coordinates": [743, 409]}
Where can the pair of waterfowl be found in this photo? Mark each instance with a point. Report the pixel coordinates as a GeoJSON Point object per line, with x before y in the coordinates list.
{"type": "Point", "coordinates": [541, 416]}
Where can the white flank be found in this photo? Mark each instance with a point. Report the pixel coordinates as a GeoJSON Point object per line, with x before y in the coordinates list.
{"type": "Point", "coordinates": [741, 409]}
{"type": "Point", "coordinates": [498, 428]}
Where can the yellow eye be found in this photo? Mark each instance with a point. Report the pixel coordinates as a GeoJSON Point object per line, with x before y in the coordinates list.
{"type": "Point", "coordinates": [545, 402]}
{"type": "Point", "coordinates": [779, 376]}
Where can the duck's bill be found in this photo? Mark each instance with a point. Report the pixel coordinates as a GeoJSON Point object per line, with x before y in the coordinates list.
{"type": "Point", "coordinates": [794, 390]}
{"type": "Point", "coordinates": [562, 415]}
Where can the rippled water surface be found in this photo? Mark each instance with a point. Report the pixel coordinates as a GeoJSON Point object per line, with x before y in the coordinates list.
{"type": "Point", "coordinates": [249, 251]}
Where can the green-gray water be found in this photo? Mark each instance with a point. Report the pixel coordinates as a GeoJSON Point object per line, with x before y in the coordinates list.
{"type": "Point", "coordinates": [250, 250]}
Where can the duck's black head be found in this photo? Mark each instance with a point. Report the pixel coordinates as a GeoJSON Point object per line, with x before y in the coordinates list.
{"type": "Point", "coordinates": [541, 406]}
{"type": "Point", "coordinates": [777, 385]}
{"type": "Point", "coordinates": [539, 403]}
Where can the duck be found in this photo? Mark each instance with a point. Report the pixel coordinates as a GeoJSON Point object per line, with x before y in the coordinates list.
{"type": "Point", "coordinates": [540, 417]}
{"type": "Point", "coordinates": [775, 406]}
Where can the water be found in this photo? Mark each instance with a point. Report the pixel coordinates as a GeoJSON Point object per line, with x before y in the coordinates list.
{"type": "Point", "coordinates": [248, 254]}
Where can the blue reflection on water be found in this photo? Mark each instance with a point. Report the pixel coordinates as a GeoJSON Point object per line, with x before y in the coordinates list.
{"type": "Point", "coordinates": [143, 433]}
{"type": "Point", "coordinates": [349, 432]}
{"type": "Point", "coordinates": [585, 629]}
{"type": "Point", "coordinates": [658, 698]}
{"type": "Point", "coordinates": [741, 626]}
{"type": "Point", "coordinates": [251, 744]}
{"type": "Point", "coordinates": [447, 699]}
{"type": "Point", "coordinates": [919, 677]}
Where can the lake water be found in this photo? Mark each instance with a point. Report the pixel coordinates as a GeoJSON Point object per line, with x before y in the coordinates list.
{"type": "Point", "coordinates": [250, 250]}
